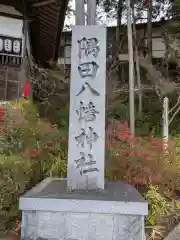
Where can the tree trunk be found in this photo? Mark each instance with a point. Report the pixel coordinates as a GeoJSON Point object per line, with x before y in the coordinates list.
{"type": "Point", "coordinates": [131, 68]}
{"type": "Point", "coordinates": [118, 30]}
{"type": "Point", "coordinates": [157, 79]}
{"type": "Point", "coordinates": [119, 16]}
{"type": "Point", "coordinates": [137, 61]}
{"type": "Point", "coordinates": [149, 30]}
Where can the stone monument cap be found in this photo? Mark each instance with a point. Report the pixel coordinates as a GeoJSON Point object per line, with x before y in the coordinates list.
{"type": "Point", "coordinates": [114, 191]}
{"type": "Point", "coordinates": [52, 195]}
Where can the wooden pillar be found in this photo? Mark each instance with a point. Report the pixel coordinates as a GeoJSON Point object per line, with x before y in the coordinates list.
{"type": "Point", "coordinates": [91, 12]}
{"type": "Point", "coordinates": [80, 14]}
{"type": "Point", "coordinates": [22, 73]}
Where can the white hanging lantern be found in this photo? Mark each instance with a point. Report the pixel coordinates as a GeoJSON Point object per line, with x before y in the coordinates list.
{"type": "Point", "coordinates": [16, 46]}
{"type": "Point", "coordinates": [8, 45]}
{"type": "Point", "coordinates": [1, 45]}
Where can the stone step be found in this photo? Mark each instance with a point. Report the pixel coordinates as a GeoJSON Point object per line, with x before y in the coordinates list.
{"type": "Point", "coordinates": [174, 234]}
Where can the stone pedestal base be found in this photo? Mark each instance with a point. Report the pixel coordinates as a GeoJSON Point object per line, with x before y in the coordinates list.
{"type": "Point", "coordinates": [50, 212]}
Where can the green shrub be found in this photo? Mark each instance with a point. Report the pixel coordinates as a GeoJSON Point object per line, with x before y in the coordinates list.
{"type": "Point", "coordinates": [177, 140]}
{"type": "Point", "coordinates": [158, 205]}
{"type": "Point", "coordinates": [119, 110]}
{"type": "Point", "coordinates": [31, 149]}
{"type": "Point", "coordinates": [15, 175]}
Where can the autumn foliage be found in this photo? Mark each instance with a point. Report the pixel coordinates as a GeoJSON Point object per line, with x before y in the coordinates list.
{"type": "Point", "coordinates": [2, 114]}
{"type": "Point", "coordinates": [139, 160]}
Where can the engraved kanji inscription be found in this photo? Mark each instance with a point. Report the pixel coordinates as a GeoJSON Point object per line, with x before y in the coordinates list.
{"type": "Point", "coordinates": [88, 46]}
{"type": "Point", "coordinates": [87, 112]}
{"type": "Point", "coordinates": [84, 162]}
{"type": "Point", "coordinates": [88, 69]}
{"type": "Point", "coordinates": [90, 137]}
{"type": "Point", "coordinates": [89, 170]}
{"type": "Point", "coordinates": [92, 90]}
{"type": "Point", "coordinates": [81, 138]}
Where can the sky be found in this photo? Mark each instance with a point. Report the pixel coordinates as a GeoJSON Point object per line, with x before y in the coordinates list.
{"type": "Point", "coordinates": [101, 17]}
{"type": "Point", "coordinates": [100, 20]}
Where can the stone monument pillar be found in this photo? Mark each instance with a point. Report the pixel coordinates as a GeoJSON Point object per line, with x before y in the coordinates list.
{"type": "Point", "coordinates": [84, 206]}
{"type": "Point", "coordinates": [87, 108]}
